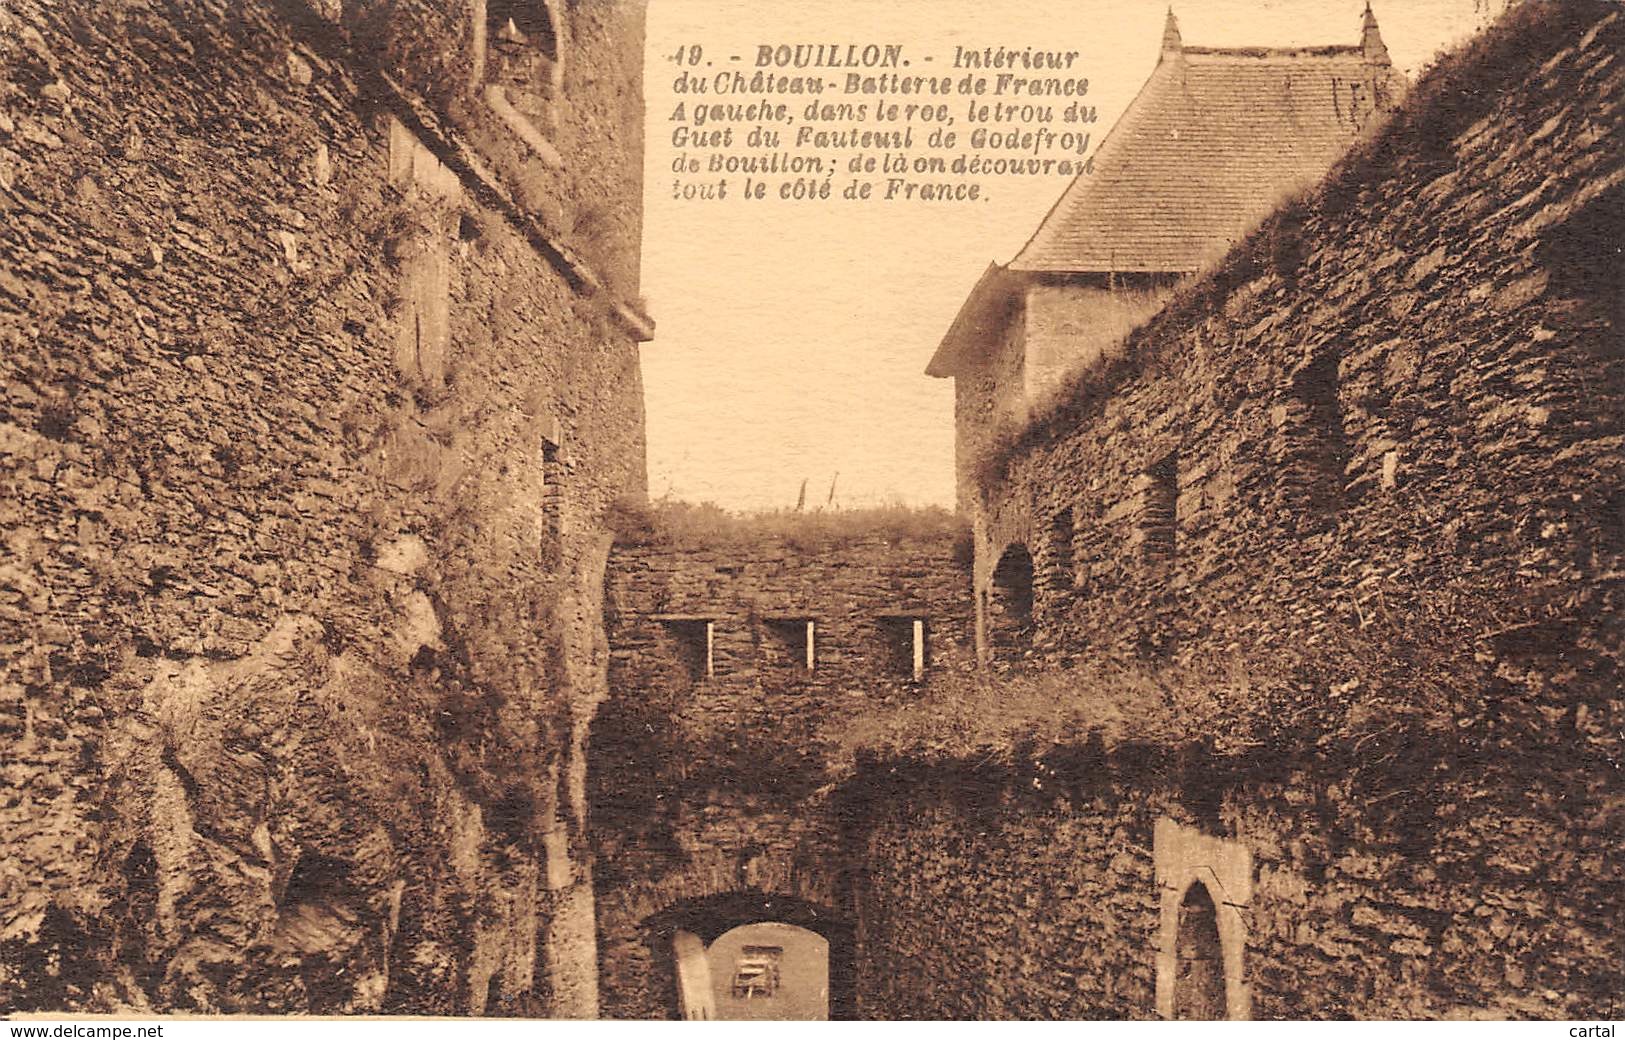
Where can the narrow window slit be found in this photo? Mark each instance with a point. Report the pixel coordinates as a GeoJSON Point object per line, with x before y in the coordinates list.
{"type": "Point", "coordinates": [1060, 551]}
{"type": "Point", "coordinates": [554, 475]}
{"type": "Point", "coordinates": [1159, 515]}
{"type": "Point", "coordinates": [905, 649]}
{"type": "Point", "coordinates": [693, 642]}
{"type": "Point", "coordinates": [792, 643]}
{"type": "Point", "coordinates": [1311, 446]}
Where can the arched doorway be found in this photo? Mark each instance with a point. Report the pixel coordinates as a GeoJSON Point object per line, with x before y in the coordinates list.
{"type": "Point", "coordinates": [1010, 606]}
{"type": "Point", "coordinates": [1199, 988]}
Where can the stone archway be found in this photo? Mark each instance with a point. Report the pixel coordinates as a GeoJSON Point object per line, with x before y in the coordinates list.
{"type": "Point", "coordinates": [1008, 606]}
{"type": "Point", "coordinates": [762, 971]}
{"type": "Point", "coordinates": [686, 940]}
{"type": "Point", "coordinates": [641, 914]}
{"type": "Point", "coordinates": [1206, 883]}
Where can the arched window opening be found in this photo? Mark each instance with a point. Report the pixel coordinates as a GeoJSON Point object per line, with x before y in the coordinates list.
{"type": "Point", "coordinates": [493, 996]}
{"type": "Point", "coordinates": [1010, 608]}
{"type": "Point", "coordinates": [140, 910]}
{"type": "Point", "coordinates": [1311, 448]}
{"type": "Point", "coordinates": [1199, 967]}
{"type": "Point", "coordinates": [515, 26]}
{"type": "Point", "coordinates": [522, 54]}
{"type": "Point", "coordinates": [1159, 522]}
{"type": "Point", "coordinates": [524, 70]}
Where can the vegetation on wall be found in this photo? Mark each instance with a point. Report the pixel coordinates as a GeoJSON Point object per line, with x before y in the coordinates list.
{"type": "Point", "coordinates": [1399, 707]}
{"type": "Point", "coordinates": [654, 760]}
{"type": "Point", "coordinates": [1457, 90]}
{"type": "Point", "coordinates": [679, 524]}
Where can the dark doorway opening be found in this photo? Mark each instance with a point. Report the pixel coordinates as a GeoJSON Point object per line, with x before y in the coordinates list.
{"type": "Point", "coordinates": [1199, 959]}
{"type": "Point", "coordinates": [1010, 608]}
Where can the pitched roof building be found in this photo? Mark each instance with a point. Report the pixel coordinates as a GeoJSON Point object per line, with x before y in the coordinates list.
{"type": "Point", "coordinates": [1215, 139]}
{"type": "Point", "coordinates": [1208, 147]}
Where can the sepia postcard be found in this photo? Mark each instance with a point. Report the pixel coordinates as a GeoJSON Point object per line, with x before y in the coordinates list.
{"type": "Point", "coordinates": [810, 509]}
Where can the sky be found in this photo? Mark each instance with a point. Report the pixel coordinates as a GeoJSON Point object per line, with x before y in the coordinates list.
{"type": "Point", "coordinates": [792, 337]}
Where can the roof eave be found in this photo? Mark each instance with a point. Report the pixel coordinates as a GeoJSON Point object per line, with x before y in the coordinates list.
{"type": "Point", "coordinates": [982, 309]}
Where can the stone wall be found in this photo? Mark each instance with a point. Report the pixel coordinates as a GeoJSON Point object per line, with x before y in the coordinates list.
{"type": "Point", "coordinates": [997, 908]}
{"type": "Point", "coordinates": [717, 785]}
{"type": "Point", "coordinates": [759, 598]}
{"type": "Point", "coordinates": [588, 110]}
{"type": "Point", "coordinates": [295, 667]}
{"type": "Point", "coordinates": [1346, 511]}
{"type": "Point", "coordinates": [1421, 414]}
{"type": "Point", "coordinates": [1038, 895]}
{"type": "Point", "coordinates": [1350, 506]}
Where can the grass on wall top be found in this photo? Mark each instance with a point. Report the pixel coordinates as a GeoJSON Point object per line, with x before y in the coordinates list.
{"type": "Point", "coordinates": [706, 525]}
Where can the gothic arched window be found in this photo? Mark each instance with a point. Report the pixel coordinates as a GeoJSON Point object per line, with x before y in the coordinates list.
{"type": "Point", "coordinates": [519, 35]}
{"type": "Point", "coordinates": [523, 63]}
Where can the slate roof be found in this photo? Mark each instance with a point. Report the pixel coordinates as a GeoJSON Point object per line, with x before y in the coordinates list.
{"type": "Point", "coordinates": [1213, 142]}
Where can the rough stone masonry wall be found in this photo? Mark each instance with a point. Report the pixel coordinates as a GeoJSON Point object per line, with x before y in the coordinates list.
{"type": "Point", "coordinates": [594, 121]}
{"type": "Point", "coordinates": [977, 901]}
{"type": "Point", "coordinates": [706, 786]}
{"type": "Point", "coordinates": [1397, 454]}
{"type": "Point", "coordinates": [1477, 384]}
{"type": "Point", "coordinates": [294, 670]}
{"type": "Point", "coordinates": [1034, 897]}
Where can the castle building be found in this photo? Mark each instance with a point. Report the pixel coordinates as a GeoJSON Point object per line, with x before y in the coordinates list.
{"type": "Point", "coordinates": [1296, 692]}
{"type": "Point", "coordinates": [1299, 623]}
{"type": "Point", "coordinates": [1213, 142]}
{"type": "Point", "coordinates": [319, 423]}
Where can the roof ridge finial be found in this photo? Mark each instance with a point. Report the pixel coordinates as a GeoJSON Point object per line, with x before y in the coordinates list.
{"type": "Point", "coordinates": [1171, 44]}
{"type": "Point", "coordinates": [1371, 39]}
